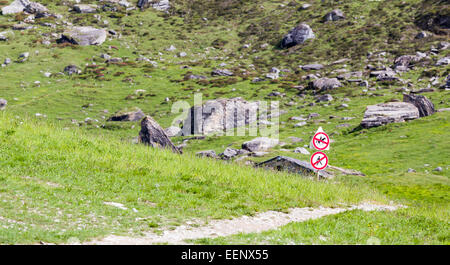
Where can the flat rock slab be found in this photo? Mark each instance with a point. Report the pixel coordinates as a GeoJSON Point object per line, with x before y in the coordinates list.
{"type": "Point", "coordinates": [260, 144]}
{"type": "Point", "coordinates": [382, 114]}
{"type": "Point", "coordinates": [84, 36]}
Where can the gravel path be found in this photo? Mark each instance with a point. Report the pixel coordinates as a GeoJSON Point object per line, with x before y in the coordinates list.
{"type": "Point", "coordinates": [245, 224]}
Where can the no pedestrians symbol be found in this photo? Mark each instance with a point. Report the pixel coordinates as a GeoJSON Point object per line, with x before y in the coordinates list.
{"type": "Point", "coordinates": [319, 160]}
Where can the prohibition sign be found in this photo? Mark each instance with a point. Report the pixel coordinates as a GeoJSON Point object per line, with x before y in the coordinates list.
{"type": "Point", "coordinates": [321, 141]}
{"type": "Point", "coordinates": [319, 160]}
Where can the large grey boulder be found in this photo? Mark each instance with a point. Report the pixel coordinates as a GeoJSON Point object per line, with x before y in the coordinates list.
{"type": "Point", "coordinates": [324, 84]}
{"type": "Point", "coordinates": [260, 144]}
{"type": "Point", "coordinates": [382, 114]}
{"type": "Point", "coordinates": [297, 35]}
{"type": "Point", "coordinates": [334, 15]}
{"type": "Point", "coordinates": [153, 134]}
{"type": "Point", "coordinates": [219, 116]}
{"type": "Point", "coordinates": [161, 5]}
{"type": "Point", "coordinates": [85, 8]}
{"type": "Point", "coordinates": [422, 103]}
{"type": "Point", "coordinates": [134, 114]}
{"type": "Point", "coordinates": [35, 8]}
{"type": "Point", "coordinates": [3, 103]}
{"type": "Point", "coordinates": [84, 36]}
{"type": "Point", "coordinates": [15, 7]}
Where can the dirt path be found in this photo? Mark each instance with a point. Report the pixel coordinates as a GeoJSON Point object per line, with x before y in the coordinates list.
{"type": "Point", "coordinates": [245, 224]}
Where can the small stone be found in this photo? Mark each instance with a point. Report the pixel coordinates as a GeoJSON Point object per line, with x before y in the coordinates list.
{"type": "Point", "coordinates": [301, 150]}
{"type": "Point", "coordinates": [439, 169]}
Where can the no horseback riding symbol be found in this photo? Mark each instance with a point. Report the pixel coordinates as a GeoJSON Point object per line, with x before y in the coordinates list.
{"type": "Point", "coordinates": [321, 141]}
{"type": "Point", "coordinates": [319, 160]}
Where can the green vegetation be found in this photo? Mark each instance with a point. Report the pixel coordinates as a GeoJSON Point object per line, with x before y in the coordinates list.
{"type": "Point", "coordinates": [57, 169]}
{"type": "Point", "coordinates": [54, 184]}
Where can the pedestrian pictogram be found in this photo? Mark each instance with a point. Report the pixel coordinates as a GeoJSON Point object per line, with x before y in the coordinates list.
{"type": "Point", "coordinates": [319, 160]}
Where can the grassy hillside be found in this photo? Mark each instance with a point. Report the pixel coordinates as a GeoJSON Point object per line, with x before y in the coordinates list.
{"type": "Point", "coordinates": [54, 184]}
{"type": "Point", "coordinates": [60, 159]}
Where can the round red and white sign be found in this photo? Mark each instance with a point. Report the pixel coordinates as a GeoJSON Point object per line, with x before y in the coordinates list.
{"type": "Point", "coordinates": [319, 160]}
{"type": "Point", "coordinates": [321, 141]}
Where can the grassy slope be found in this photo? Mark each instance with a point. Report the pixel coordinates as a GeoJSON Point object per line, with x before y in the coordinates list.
{"type": "Point", "coordinates": [54, 183]}
{"type": "Point", "coordinates": [370, 26]}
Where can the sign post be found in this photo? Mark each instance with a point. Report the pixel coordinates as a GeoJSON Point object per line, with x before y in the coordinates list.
{"type": "Point", "coordinates": [321, 142]}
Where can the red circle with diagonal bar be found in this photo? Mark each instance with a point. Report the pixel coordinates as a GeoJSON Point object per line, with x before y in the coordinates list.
{"type": "Point", "coordinates": [321, 141]}
{"type": "Point", "coordinates": [319, 160]}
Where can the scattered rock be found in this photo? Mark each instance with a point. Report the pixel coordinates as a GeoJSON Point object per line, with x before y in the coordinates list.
{"type": "Point", "coordinates": [36, 9]}
{"type": "Point", "coordinates": [83, 36]}
{"type": "Point", "coordinates": [85, 8]}
{"type": "Point", "coordinates": [260, 144]}
{"type": "Point", "coordinates": [351, 76]}
{"type": "Point", "coordinates": [323, 84]}
{"type": "Point", "coordinates": [300, 124]}
{"type": "Point", "coordinates": [23, 57]}
{"type": "Point", "coordinates": [222, 72]}
{"type": "Point", "coordinates": [134, 114]}
{"type": "Point", "coordinates": [3, 103]}
{"type": "Point", "coordinates": [443, 61]}
{"type": "Point", "coordinates": [71, 69]}
{"type": "Point", "coordinates": [297, 35]}
{"type": "Point", "coordinates": [153, 135]}
{"type": "Point", "coordinates": [422, 35]}
{"type": "Point", "coordinates": [422, 103]}
{"type": "Point", "coordinates": [324, 98]}
{"type": "Point", "coordinates": [162, 5]}
{"type": "Point", "coordinates": [334, 15]}
{"type": "Point", "coordinates": [305, 6]}
{"type": "Point", "coordinates": [116, 204]}
{"type": "Point", "coordinates": [229, 153]}
{"type": "Point", "coordinates": [274, 73]}
{"type": "Point", "coordinates": [382, 114]}
{"type": "Point", "coordinates": [15, 7]}
{"type": "Point", "coordinates": [207, 153]}
{"type": "Point", "coordinates": [314, 66]}
{"type": "Point", "coordinates": [439, 169]}
{"type": "Point", "coordinates": [404, 62]}
{"type": "Point", "coordinates": [301, 150]}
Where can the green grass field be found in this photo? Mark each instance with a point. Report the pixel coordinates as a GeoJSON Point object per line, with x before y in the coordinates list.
{"type": "Point", "coordinates": [56, 171]}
